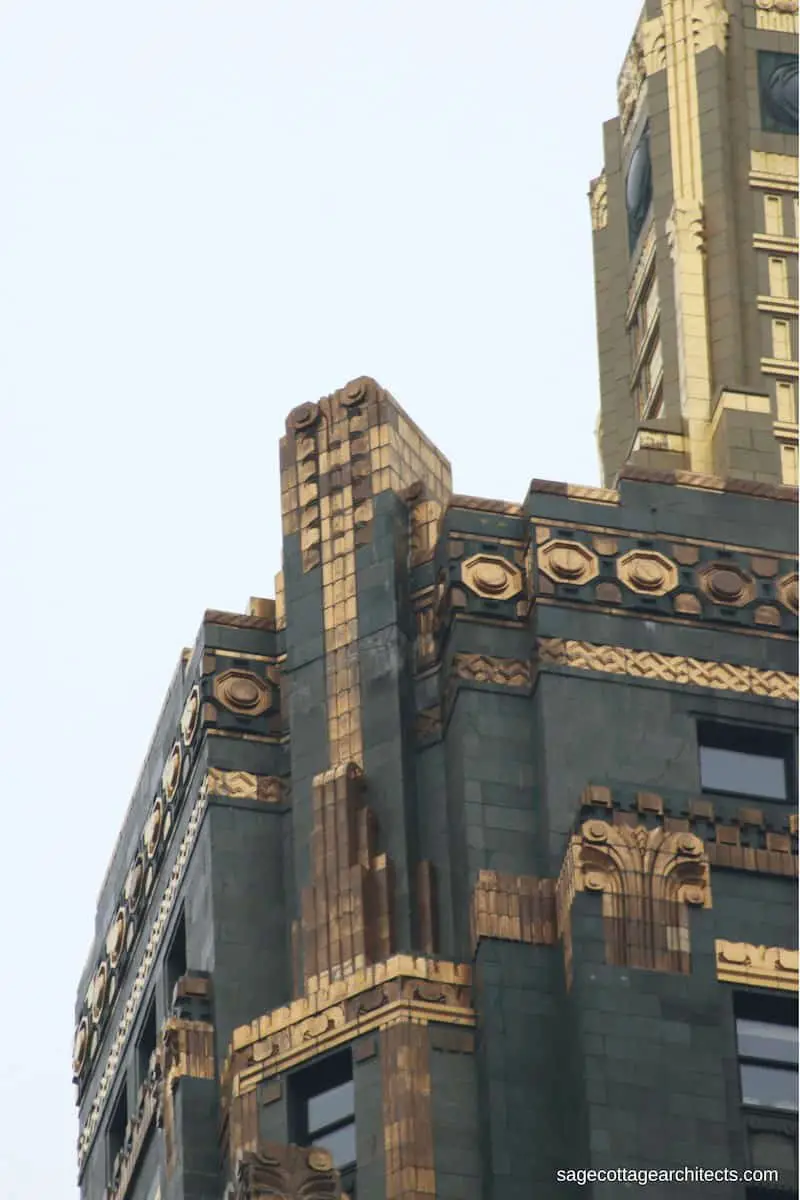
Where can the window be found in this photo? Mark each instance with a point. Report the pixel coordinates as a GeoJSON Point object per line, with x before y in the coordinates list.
{"type": "Point", "coordinates": [781, 339]}
{"type": "Point", "coordinates": [766, 1040]}
{"type": "Point", "coordinates": [788, 464]}
{"type": "Point", "coordinates": [175, 967]}
{"type": "Point", "coordinates": [745, 761]}
{"type": "Point", "coordinates": [773, 215]}
{"type": "Point", "coordinates": [323, 1110]}
{"type": "Point", "coordinates": [146, 1044]}
{"type": "Point", "coordinates": [645, 315]}
{"type": "Point", "coordinates": [784, 397]}
{"type": "Point", "coordinates": [116, 1128]}
{"type": "Point", "coordinates": [778, 277]}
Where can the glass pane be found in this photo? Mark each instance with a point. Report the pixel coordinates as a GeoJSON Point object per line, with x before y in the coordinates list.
{"type": "Point", "coordinates": [769, 1087]}
{"type": "Point", "coordinates": [341, 1144]}
{"type": "Point", "coordinates": [650, 304]}
{"type": "Point", "coordinates": [656, 363]}
{"type": "Point", "coordinates": [747, 774]}
{"type": "Point", "coordinates": [327, 1108]}
{"type": "Point", "coordinates": [764, 1039]}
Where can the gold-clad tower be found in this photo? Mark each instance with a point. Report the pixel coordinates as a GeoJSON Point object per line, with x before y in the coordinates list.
{"type": "Point", "coordinates": [695, 233]}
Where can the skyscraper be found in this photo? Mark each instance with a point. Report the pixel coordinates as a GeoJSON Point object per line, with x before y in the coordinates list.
{"type": "Point", "coordinates": [695, 243]}
{"type": "Point", "coordinates": [465, 866]}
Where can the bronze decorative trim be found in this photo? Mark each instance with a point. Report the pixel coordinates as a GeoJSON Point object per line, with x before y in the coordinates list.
{"type": "Point", "coordinates": [141, 979]}
{"type": "Point", "coordinates": [243, 785]}
{"type": "Point", "coordinates": [286, 1171]}
{"type": "Point", "coordinates": [188, 1050]}
{"type": "Point", "coordinates": [485, 668]}
{"type": "Point", "coordinates": [756, 966]}
{"type": "Point", "coordinates": [514, 908]}
{"type": "Point", "coordinates": [334, 1012]}
{"type": "Point", "coordinates": [667, 668]}
{"type": "Point", "coordinates": [647, 878]}
{"type": "Point", "coordinates": [348, 910]}
{"type": "Point", "coordinates": [407, 1116]}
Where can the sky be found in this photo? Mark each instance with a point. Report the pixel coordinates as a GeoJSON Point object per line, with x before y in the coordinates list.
{"type": "Point", "coordinates": [209, 214]}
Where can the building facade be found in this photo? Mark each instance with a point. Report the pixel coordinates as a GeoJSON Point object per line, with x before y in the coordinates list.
{"type": "Point", "coordinates": [470, 857]}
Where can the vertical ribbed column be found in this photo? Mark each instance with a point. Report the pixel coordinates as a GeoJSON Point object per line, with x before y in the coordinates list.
{"type": "Point", "coordinates": [407, 1121]}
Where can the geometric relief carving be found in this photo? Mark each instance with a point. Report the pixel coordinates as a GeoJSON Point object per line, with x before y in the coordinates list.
{"type": "Point", "coordinates": [567, 562]}
{"type": "Point", "coordinates": [242, 692]}
{"type": "Point", "coordinates": [726, 583]}
{"type": "Point", "coordinates": [648, 879]}
{"type": "Point", "coordinates": [286, 1173]}
{"type": "Point", "coordinates": [787, 592]}
{"type": "Point", "coordinates": [647, 572]}
{"type": "Point", "coordinates": [484, 668]}
{"type": "Point", "coordinates": [244, 785]}
{"type": "Point", "coordinates": [668, 668]}
{"type": "Point", "coordinates": [492, 577]}
{"type": "Point", "coordinates": [125, 926]}
{"type": "Point", "coordinates": [516, 908]}
{"type": "Point", "coordinates": [127, 1016]}
{"type": "Point", "coordinates": [756, 966]}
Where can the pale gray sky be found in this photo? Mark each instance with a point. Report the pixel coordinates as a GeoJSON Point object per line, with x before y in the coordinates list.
{"type": "Point", "coordinates": [210, 213]}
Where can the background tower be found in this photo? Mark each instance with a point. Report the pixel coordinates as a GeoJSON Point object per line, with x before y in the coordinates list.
{"type": "Point", "coordinates": [695, 244]}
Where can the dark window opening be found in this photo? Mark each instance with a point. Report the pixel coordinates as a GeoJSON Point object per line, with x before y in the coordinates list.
{"type": "Point", "coordinates": [766, 1040]}
{"type": "Point", "coordinates": [742, 760]}
{"type": "Point", "coordinates": [176, 958]}
{"type": "Point", "coordinates": [146, 1044]}
{"type": "Point", "coordinates": [116, 1128]}
{"type": "Point", "coordinates": [323, 1111]}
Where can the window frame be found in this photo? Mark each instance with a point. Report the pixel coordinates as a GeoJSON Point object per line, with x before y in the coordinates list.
{"type": "Point", "coordinates": [143, 1067]}
{"type": "Point", "coordinates": [731, 735]}
{"type": "Point", "coordinates": [120, 1102]}
{"type": "Point", "coordinates": [768, 1009]}
{"type": "Point", "coordinates": [179, 931]}
{"type": "Point", "coordinates": [312, 1080]}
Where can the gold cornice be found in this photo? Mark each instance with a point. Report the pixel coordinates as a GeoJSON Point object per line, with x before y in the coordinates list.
{"type": "Point", "coordinates": [756, 966]}
{"type": "Point", "coordinates": [333, 1012]}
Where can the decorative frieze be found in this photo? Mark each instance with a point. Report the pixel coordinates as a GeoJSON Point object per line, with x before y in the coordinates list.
{"type": "Point", "coordinates": [666, 668]}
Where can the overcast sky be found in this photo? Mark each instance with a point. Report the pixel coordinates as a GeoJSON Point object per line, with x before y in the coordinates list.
{"type": "Point", "coordinates": [210, 213]}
